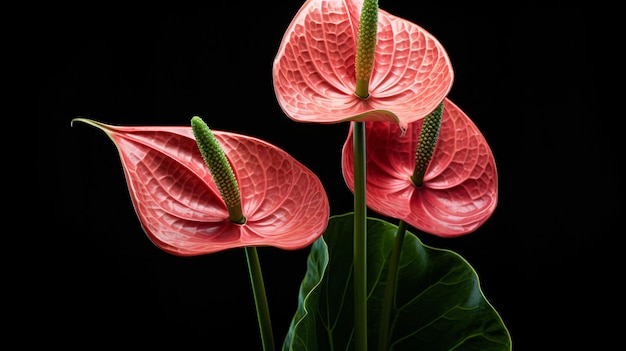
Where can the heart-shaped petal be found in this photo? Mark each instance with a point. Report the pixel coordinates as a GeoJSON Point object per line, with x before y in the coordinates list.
{"type": "Point", "coordinates": [460, 188]}
{"type": "Point", "coordinates": [314, 73]}
{"type": "Point", "coordinates": [179, 205]}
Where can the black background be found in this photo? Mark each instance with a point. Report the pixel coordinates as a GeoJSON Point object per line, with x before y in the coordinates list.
{"type": "Point", "coordinates": [533, 79]}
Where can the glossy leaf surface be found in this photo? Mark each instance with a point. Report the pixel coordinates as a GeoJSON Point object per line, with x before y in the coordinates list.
{"type": "Point", "coordinates": [438, 304]}
{"type": "Point", "coordinates": [460, 188]}
{"type": "Point", "coordinates": [314, 69]}
{"type": "Point", "coordinates": [179, 205]}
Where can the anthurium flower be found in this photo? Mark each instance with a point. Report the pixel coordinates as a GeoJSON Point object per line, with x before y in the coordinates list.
{"type": "Point", "coordinates": [180, 207]}
{"type": "Point", "coordinates": [460, 186]}
{"type": "Point", "coordinates": [314, 69]}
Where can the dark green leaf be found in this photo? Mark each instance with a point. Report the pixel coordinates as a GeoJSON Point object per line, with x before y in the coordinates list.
{"type": "Point", "coordinates": [438, 303]}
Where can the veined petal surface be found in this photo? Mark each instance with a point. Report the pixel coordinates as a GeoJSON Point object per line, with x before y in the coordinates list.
{"type": "Point", "coordinates": [314, 69]}
{"type": "Point", "coordinates": [460, 188]}
{"type": "Point", "coordinates": [179, 205]}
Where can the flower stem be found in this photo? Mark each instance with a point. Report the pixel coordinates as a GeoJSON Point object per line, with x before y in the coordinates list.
{"type": "Point", "coordinates": [390, 288]}
{"type": "Point", "coordinates": [360, 239]}
{"type": "Point", "coordinates": [260, 299]}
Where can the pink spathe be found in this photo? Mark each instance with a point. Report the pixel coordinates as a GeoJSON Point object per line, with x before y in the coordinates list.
{"type": "Point", "coordinates": [314, 69]}
{"type": "Point", "coordinates": [460, 186]}
{"type": "Point", "coordinates": [179, 205]}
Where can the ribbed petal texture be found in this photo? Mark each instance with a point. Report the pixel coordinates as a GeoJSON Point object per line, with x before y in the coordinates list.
{"type": "Point", "coordinates": [314, 69]}
{"type": "Point", "coordinates": [179, 205]}
{"type": "Point", "coordinates": [460, 189]}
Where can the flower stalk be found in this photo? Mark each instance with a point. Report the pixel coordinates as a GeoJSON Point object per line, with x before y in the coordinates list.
{"type": "Point", "coordinates": [224, 178]}
{"type": "Point", "coordinates": [390, 288]}
{"type": "Point", "coordinates": [425, 147]}
{"type": "Point", "coordinates": [364, 64]}
{"type": "Point", "coordinates": [360, 239]}
{"type": "Point", "coordinates": [260, 300]}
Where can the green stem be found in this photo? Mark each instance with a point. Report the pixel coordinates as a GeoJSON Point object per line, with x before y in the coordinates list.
{"type": "Point", "coordinates": [360, 239]}
{"type": "Point", "coordinates": [392, 281]}
{"type": "Point", "coordinates": [260, 299]}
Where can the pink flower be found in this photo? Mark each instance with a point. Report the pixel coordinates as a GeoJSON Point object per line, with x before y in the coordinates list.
{"type": "Point", "coordinates": [179, 205]}
{"type": "Point", "coordinates": [314, 69]}
{"type": "Point", "coordinates": [460, 186]}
